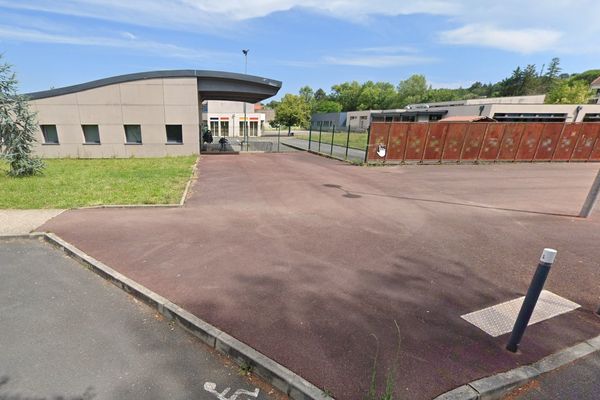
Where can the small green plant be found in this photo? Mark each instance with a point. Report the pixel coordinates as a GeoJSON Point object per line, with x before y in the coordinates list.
{"type": "Point", "coordinates": [244, 369]}
{"type": "Point", "coordinates": [389, 391]}
{"type": "Point", "coordinates": [328, 394]}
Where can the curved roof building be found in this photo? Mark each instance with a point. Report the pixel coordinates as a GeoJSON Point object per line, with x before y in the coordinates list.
{"type": "Point", "coordinates": [147, 114]}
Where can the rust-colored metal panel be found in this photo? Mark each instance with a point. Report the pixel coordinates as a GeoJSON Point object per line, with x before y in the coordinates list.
{"type": "Point", "coordinates": [379, 135]}
{"type": "Point", "coordinates": [595, 154]}
{"type": "Point", "coordinates": [510, 141]}
{"type": "Point", "coordinates": [397, 142]}
{"type": "Point", "coordinates": [530, 139]}
{"type": "Point", "coordinates": [549, 141]}
{"type": "Point", "coordinates": [455, 139]}
{"type": "Point", "coordinates": [435, 141]}
{"type": "Point", "coordinates": [473, 141]}
{"type": "Point", "coordinates": [417, 136]}
{"type": "Point", "coordinates": [567, 142]}
{"type": "Point", "coordinates": [588, 137]}
{"type": "Point", "coordinates": [491, 143]}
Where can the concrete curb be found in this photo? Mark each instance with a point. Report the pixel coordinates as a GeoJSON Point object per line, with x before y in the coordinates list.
{"type": "Point", "coordinates": [174, 205]}
{"type": "Point", "coordinates": [276, 374]}
{"type": "Point", "coordinates": [495, 386]}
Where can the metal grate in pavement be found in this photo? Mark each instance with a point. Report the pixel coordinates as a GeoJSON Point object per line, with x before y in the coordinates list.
{"type": "Point", "coordinates": [499, 319]}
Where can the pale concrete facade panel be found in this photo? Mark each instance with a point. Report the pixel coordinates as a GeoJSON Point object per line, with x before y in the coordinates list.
{"type": "Point", "coordinates": [151, 100]}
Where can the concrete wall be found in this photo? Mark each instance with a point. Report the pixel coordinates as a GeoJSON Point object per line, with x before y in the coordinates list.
{"type": "Point", "coordinates": [151, 103]}
{"type": "Point", "coordinates": [328, 120]}
{"type": "Point", "coordinates": [224, 106]}
{"type": "Point", "coordinates": [359, 120]}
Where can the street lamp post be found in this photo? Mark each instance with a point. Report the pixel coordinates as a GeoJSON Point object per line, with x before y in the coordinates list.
{"type": "Point", "coordinates": [245, 51]}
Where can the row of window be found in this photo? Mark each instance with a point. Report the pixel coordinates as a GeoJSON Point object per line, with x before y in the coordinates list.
{"type": "Point", "coordinates": [221, 128]}
{"type": "Point", "coordinates": [133, 134]}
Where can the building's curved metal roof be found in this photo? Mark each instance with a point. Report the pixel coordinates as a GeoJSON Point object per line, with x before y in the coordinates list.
{"type": "Point", "coordinates": [212, 85]}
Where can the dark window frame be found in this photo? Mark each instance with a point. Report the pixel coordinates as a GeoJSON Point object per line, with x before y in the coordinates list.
{"type": "Point", "coordinates": [127, 139]}
{"type": "Point", "coordinates": [177, 131]}
{"type": "Point", "coordinates": [85, 138]}
{"type": "Point", "coordinates": [43, 128]}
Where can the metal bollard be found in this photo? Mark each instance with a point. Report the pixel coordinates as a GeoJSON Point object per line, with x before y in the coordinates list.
{"type": "Point", "coordinates": [533, 293]}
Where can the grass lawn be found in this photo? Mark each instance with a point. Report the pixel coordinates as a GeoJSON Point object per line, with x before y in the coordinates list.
{"type": "Point", "coordinates": [68, 183]}
{"type": "Point", "coordinates": [357, 140]}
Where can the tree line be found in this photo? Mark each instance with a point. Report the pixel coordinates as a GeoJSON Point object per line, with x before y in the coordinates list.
{"type": "Point", "coordinates": [559, 88]}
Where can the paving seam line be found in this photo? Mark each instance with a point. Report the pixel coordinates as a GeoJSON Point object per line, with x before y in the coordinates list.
{"type": "Point", "coordinates": [495, 386]}
{"type": "Point", "coordinates": [171, 205]}
{"type": "Point", "coordinates": [288, 382]}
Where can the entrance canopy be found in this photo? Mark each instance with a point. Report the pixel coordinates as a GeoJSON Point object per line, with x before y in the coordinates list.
{"type": "Point", "coordinates": [212, 85]}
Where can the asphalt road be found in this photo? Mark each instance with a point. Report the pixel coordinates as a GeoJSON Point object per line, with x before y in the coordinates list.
{"type": "Point", "coordinates": [578, 380]}
{"type": "Point", "coordinates": [324, 148]}
{"type": "Point", "coordinates": [311, 261]}
{"type": "Point", "coordinates": [66, 333]}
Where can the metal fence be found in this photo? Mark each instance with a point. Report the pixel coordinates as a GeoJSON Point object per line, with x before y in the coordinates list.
{"type": "Point", "coordinates": [396, 142]}
{"type": "Point", "coordinates": [340, 143]}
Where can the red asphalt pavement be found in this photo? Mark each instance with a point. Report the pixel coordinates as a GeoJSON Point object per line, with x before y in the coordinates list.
{"type": "Point", "coordinates": [311, 260]}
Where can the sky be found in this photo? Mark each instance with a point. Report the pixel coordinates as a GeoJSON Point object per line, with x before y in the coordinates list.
{"type": "Point", "coordinates": [55, 43]}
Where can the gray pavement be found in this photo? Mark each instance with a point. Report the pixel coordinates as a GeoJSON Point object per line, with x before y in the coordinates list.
{"type": "Point", "coordinates": [324, 148]}
{"type": "Point", "coordinates": [578, 380]}
{"type": "Point", "coordinates": [67, 333]}
{"type": "Point", "coordinates": [21, 222]}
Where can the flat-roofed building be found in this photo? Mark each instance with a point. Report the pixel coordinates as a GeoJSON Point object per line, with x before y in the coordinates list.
{"type": "Point", "coordinates": [148, 114]}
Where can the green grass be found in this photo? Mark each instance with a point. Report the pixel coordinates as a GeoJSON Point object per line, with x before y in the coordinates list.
{"type": "Point", "coordinates": [357, 140]}
{"type": "Point", "coordinates": [68, 183]}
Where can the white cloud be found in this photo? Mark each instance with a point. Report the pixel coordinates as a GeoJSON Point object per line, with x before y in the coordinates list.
{"type": "Point", "coordinates": [520, 40]}
{"type": "Point", "coordinates": [163, 49]}
{"type": "Point", "coordinates": [530, 25]}
{"type": "Point", "coordinates": [379, 61]}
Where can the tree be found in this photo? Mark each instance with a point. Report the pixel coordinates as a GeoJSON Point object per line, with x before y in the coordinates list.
{"type": "Point", "coordinates": [412, 90]}
{"type": "Point", "coordinates": [377, 96]}
{"type": "Point", "coordinates": [327, 106]}
{"type": "Point", "coordinates": [18, 126]}
{"type": "Point", "coordinates": [570, 91]}
{"type": "Point", "coordinates": [320, 95]}
{"type": "Point", "coordinates": [292, 111]}
{"type": "Point", "coordinates": [347, 94]}
{"type": "Point", "coordinates": [307, 94]}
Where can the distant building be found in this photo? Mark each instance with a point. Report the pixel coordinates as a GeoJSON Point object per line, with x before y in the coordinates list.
{"type": "Point", "coordinates": [226, 118]}
{"type": "Point", "coordinates": [328, 120]}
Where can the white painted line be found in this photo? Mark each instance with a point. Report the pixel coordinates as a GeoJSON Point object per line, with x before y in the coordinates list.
{"type": "Point", "coordinates": [500, 319]}
{"type": "Point", "coordinates": [211, 387]}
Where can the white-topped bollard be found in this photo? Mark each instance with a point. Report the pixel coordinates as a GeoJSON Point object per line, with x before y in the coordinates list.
{"type": "Point", "coordinates": [531, 298]}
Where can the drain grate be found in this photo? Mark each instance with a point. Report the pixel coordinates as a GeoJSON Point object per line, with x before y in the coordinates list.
{"type": "Point", "coordinates": [499, 319]}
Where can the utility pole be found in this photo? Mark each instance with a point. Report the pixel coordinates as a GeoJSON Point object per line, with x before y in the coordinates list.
{"type": "Point", "coordinates": [245, 51]}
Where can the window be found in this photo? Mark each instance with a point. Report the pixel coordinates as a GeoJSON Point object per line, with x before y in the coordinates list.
{"type": "Point", "coordinates": [591, 117]}
{"type": "Point", "coordinates": [253, 128]}
{"type": "Point", "coordinates": [435, 117]}
{"type": "Point", "coordinates": [214, 128]}
{"type": "Point", "coordinates": [224, 128]}
{"type": "Point", "coordinates": [174, 134]}
{"type": "Point", "coordinates": [133, 134]}
{"type": "Point", "coordinates": [50, 134]}
{"type": "Point", "coordinates": [91, 134]}
{"type": "Point", "coordinates": [241, 128]}
{"type": "Point", "coordinates": [530, 117]}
